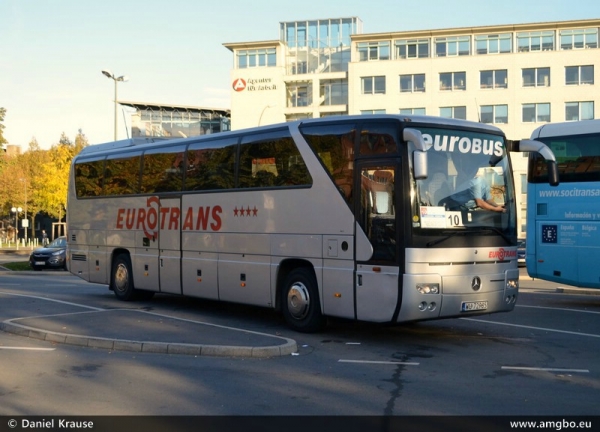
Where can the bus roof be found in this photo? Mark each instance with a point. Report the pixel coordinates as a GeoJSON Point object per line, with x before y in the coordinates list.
{"type": "Point", "coordinates": [581, 127]}
{"type": "Point", "coordinates": [432, 120]}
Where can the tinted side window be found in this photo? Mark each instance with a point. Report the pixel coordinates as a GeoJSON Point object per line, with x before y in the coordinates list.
{"type": "Point", "coordinates": [211, 165]}
{"type": "Point", "coordinates": [163, 171]}
{"type": "Point", "coordinates": [271, 160]}
{"type": "Point", "coordinates": [88, 178]}
{"type": "Point", "coordinates": [334, 145]}
{"type": "Point", "coordinates": [122, 176]}
{"type": "Point", "coordinates": [378, 138]}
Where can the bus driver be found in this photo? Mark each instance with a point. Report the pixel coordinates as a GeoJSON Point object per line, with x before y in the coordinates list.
{"type": "Point", "coordinates": [477, 195]}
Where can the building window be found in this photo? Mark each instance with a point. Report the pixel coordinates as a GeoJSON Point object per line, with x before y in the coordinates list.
{"type": "Point", "coordinates": [493, 79]}
{"type": "Point", "coordinates": [452, 46]}
{"type": "Point", "coordinates": [535, 41]}
{"type": "Point", "coordinates": [458, 112]}
{"type": "Point", "coordinates": [412, 48]}
{"type": "Point", "coordinates": [256, 58]}
{"type": "Point", "coordinates": [373, 85]}
{"type": "Point", "coordinates": [494, 114]}
{"type": "Point", "coordinates": [493, 44]}
{"type": "Point", "coordinates": [578, 75]}
{"type": "Point", "coordinates": [578, 39]}
{"type": "Point", "coordinates": [412, 111]}
{"type": "Point", "coordinates": [536, 113]}
{"type": "Point", "coordinates": [412, 83]}
{"type": "Point", "coordinates": [373, 51]}
{"type": "Point", "coordinates": [299, 95]}
{"type": "Point", "coordinates": [453, 81]}
{"type": "Point", "coordinates": [575, 111]}
{"type": "Point", "coordinates": [370, 112]}
{"type": "Point", "coordinates": [334, 92]}
{"type": "Point", "coordinates": [536, 77]}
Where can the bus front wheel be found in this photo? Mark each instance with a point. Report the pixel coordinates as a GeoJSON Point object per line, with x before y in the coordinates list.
{"type": "Point", "coordinates": [301, 307]}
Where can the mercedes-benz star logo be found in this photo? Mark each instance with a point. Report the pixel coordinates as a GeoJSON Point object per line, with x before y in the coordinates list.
{"type": "Point", "coordinates": [476, 283]}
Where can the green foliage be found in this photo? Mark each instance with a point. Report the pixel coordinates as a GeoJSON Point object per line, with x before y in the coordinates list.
{"type": "Point", "coordinates": [37, 179]}
{"type": "Point", "coordinates": [17, 266]}
{"type": "Point", "coordinates": [2, 115]}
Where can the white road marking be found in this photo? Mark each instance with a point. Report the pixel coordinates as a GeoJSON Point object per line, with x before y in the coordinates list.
{"type": "Point", "coordinates": [57, 301]}
{"type": "Point", "coordinates": [379, 362]}
{"type": "Point", "coordinates": [545, 369]}
{"type": "Point", "coordinates": [27, 348]}
{"type": "Point", "coordinates": [558, 309]}
{"type": "Point", "coordinates": [533, 328]}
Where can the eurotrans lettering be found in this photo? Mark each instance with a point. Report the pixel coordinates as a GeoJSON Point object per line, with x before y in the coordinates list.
{"type": "Point", "coordinates": [56, 423]}
{"type": "Point", "coordinates": [501, 254]}
{"type": "Point", "coordinates": [153, 216]}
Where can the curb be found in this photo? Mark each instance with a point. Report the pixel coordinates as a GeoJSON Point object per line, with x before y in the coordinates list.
{"type": "Point", "coordinates": [151, 347]}
{"type": "Point", "coordinates": [290, 346]}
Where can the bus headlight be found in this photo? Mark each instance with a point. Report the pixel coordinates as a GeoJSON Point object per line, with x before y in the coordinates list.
{"type": "Point", "coordinates": [512, 284]}
{"type": "Point", "coordinates": [431, 288]}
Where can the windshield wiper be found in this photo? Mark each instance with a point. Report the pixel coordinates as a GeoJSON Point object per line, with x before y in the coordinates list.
{"type": "Point", "coordinates": [498, 231]}
{"type": "Point", "coordinates": [452, 234]}
{"type": "Point", "coordinates": [471, 231]}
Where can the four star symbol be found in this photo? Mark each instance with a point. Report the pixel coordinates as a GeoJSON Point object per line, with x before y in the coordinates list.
{"type": "Point", "coordinates": [245, 212]}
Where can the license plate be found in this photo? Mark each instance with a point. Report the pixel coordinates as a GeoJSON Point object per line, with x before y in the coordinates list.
{"type": "Point", "coordinates": [40, 263]}
{"type": "Point", "coordinates": [474, 306]}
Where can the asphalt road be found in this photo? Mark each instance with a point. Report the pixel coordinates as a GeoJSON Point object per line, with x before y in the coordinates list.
{"type": "Point", "coordinates": [539, 360]}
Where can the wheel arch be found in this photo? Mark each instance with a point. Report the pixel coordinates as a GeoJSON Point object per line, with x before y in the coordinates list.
{"type": "Point", "coordinates": [284, 269]}
{"type": "Point", "coordinates": [114, 254]}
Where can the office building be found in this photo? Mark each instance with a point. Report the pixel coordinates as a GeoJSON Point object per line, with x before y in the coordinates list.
{"type": "Point", "coordinates": [514, 76]}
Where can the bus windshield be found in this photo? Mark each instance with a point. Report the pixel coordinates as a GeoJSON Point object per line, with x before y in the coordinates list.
{"type": "Point", "coordinates": [577, 157]}
{"type": "Point", "coordinates": [468, 186]}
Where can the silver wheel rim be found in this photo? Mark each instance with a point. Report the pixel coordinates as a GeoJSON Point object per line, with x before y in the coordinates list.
{"type": "Point", "coordinates": [121, 278]}
{"type": "Point", "coordinates": [298, 301]}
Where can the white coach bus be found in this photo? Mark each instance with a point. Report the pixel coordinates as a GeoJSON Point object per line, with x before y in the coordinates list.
{"type": "Point", "coordinates": [355, 217]}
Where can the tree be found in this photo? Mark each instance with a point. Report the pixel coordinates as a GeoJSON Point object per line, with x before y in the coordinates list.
{"type": "Point", "coordinates": [2, 115]}
{"type": "Point", "coordinates": [57, 167]}
{"type": "Point", "coordinates": [35, 178]}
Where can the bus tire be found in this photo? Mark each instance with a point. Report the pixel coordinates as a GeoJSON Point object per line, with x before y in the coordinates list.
{"type": "Point", "coordinates": [121, 280]}
{"type": "Point", "coordinates": [300, 301]}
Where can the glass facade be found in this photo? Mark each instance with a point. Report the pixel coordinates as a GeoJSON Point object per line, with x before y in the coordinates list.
{"type": "Point", "coordinates": [177, 122]}
{"type": "Point", "coordinates": [320, 45]}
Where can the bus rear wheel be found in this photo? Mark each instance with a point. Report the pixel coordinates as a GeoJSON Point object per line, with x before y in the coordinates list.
{"type": "Point", "coordinates": [301, 307]}
{"type": "Point", "coordinates": [122, 278]}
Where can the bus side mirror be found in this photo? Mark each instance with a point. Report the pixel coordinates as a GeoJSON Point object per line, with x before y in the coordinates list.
{"type": "Point", "coordinates": [546, 152]}
{"type": "Point", "coordinates": [419, 155]}
{"type": "Point", "coordinates": [420, 164]}
{"type": "Point", "coordinates": [553, 173]}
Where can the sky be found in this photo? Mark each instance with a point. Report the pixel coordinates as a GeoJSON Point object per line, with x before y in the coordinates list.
{"type": "Point", "coordinates": [52, 52]}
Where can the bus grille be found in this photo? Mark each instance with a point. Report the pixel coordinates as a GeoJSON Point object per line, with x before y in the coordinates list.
{"type": "Point", "coordinates": [78, 257]}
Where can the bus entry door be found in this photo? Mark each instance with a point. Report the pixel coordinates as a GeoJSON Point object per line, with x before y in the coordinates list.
{"type": "Point", "coordinates": [377, 281]}
{"type": "Point", "coordinates": [169, 245]}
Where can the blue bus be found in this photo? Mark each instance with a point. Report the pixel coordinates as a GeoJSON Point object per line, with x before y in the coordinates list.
{"type": "Point", "coordinates": [563, 223]}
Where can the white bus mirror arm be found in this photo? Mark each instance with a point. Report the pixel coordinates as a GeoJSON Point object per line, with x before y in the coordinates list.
{"type": "Point", "coordinates": [546, 152]}
{"type": "Point", "coordinates": [537, 146]}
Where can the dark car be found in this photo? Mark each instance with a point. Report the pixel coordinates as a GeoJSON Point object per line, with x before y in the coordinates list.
{"type": "Point", "coordinates": [53, 256]}
{"type": "Point", "coordinates": [521, 252]}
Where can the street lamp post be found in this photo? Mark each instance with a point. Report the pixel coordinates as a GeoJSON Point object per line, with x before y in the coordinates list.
{"type": "Point", "coordinates": [123, 78]}
{"type": "Point", "coordinates": [25, 220]}
{"type": "Point", "coordinates": [16, 211]}
{"type": "Point", "coordinates": [263, 111]}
